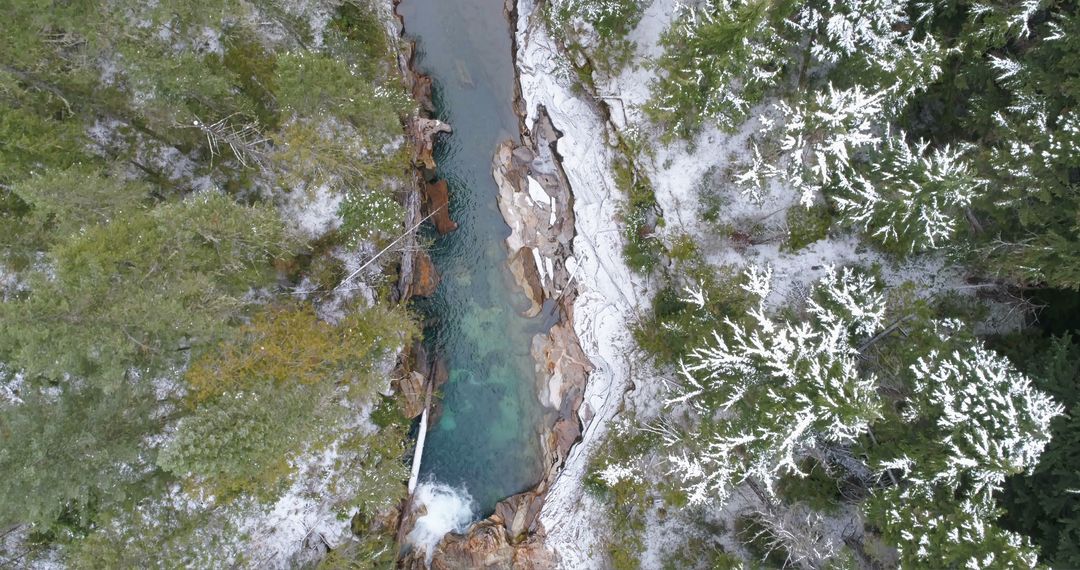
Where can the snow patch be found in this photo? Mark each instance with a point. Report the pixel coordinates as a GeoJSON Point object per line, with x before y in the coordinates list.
{"type": "Point", "coordinates": [610, 295]}
{"type": "Point", "coordinates": [312, 213]}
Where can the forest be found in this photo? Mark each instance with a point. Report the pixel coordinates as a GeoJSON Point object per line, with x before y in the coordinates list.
{"type": "Point", "coordinates": [864, 304]}
{"type": "Point", "coordinates": [854, 228]}
{"type": "Point", "coordinates": [185, 188]}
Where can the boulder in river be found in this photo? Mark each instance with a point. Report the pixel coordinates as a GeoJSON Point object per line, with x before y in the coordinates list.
{"type": "Point", "coordinates": [425, 277]}
{"type": "Point", "coordinates": [438, 202]}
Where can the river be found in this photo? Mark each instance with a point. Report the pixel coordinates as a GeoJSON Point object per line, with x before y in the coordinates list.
{"type": "Point", "coordinates": [486, 440]}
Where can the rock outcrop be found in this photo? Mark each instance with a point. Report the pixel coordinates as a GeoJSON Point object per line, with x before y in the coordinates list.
{"type": "Point", "coordinates": [425, 277]}
{"type": "Point", "coordinates": [421, 132]}
{"type": "Point", "coordinates": [437, 196]}
{"type": "Point", "coordinates": [535, 200]}
{"type": "Point", "coordinates": [413, 390]}
{"type": "Point", "coordinates": [562, 371]}
{"type": "Point", "coordinates": [491, 544]}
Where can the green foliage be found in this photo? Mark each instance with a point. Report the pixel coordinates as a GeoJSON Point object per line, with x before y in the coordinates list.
{"type": "Point", "coordinates": [627, 498]}
{"type": "Point", "coordinates": [719, 60]}
{"type": "Point", "coordinates": [290, 345]}
{"type": "Point", "coordinates": [243, 441]}
{"type": "Point", "coordinates": [676, 325]}
{"type": "Point", "coordinates": [755, 536]}
{"type": "Point", "coordinates": [67, 452]}
{"type": "Point", "coordinates": [31, 142]}
{"type": "Point", "coordinates": [113, 116]}
{"type": "Point", "coordinates": [126, 296]}
{"type": "Point", "coordinates": [367, 216]}
{"type": "Point", "coordinates": [158, 536]}
{"type": "Point", "coordinates": [371, 551]}
{"type": "Point", "coordinates": [807, 225]}
{"type": "Point", "coordinates": [710, 196]}
{"type": "Point", "coordinates": [643, 249]}
{"type": "Point", "coordinates": [816, 487]}
{"type": "Point", "coordinates": [596, 29]}
{"type": "Point", "coordinates": [274, 392]}
{"type": "Point", "coordinates": [310, 84]}
{"type": "Point", "coordinates": [67, 201]}
{"type": "Point", "coordinates": [1043, 504]}
{"type": "Point", "coordinates": [364, 36]}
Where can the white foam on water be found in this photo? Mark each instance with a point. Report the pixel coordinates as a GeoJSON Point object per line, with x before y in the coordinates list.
{"type": "Point", "coordinates": [447, 509]}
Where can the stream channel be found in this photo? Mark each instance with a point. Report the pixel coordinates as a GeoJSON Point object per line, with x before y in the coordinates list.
{"type": "Point", "coordinates": [487, 438]}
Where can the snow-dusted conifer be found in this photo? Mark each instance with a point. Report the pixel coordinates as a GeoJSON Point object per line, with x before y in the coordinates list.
{"type": "Point", "coordinates": [723, 56]}
{"type": "Point", "coordinates": [980, 421]}
{"type": "Point", "coordinates": [820, 136]}
{"type": "Point", "coordinates": [914, 196]}
{"type": "Point", "coordinates": [783, 387]}
{"type": "Point", "coordinates": [843, 28]}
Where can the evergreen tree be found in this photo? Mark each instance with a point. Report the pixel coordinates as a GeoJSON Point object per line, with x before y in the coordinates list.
{"type": "Point", "coordinates": [783, 387]}
{"type": "Point", "coordinates": [125, 299]}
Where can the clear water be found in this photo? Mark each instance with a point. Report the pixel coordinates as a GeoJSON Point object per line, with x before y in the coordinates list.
{"type": "Point", "coordinates": [487, 438]}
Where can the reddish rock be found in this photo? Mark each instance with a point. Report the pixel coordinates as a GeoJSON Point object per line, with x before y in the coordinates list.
{"type": "Point", "coordinates": [438, 202]}
{"type": "Point", "coordinates": [413, 391]}
{"type": "Point", "coordinates": [421, 92]}
{"type": "Point", "coordinates": [486, 547]}
{"type": "Point", "coordinates": [425, 277]}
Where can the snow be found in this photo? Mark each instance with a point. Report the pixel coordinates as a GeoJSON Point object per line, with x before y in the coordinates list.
{"type": "Point", "coordinates": [313, 213]}
{"type": "Point", "coordinates": [11, 384]}
{"type": "Point", "coordinates": [537, 192]}
{"type": "Point", "coordinates": [305, 519]}
{"type": "Point", "coordinates": [609, 294]}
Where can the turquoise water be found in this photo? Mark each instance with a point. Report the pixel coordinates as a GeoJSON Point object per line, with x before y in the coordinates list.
{"type": "Point", "coordinates": [487, 438]}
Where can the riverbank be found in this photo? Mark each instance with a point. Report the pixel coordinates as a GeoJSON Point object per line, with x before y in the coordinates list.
{"type": "Point", "coordinates": [493, 376]}
{"type": "Point", "coordinates": [609, 296]}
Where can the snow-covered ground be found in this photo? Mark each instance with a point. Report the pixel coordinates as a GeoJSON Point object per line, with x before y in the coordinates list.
{"type": "Point", "coordinates": [610, 295]}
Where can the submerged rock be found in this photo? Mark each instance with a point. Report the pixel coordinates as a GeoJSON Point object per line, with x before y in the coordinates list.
{"type": "Point", "coordinates": [426, 278]}
{"type": "Point", "coordinates": [438, 202]}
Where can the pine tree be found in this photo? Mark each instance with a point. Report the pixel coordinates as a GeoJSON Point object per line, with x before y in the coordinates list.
{"type": "Point", "coordinates": [783, 387]}
{"type": "Point", "coordinates": [909, 197]}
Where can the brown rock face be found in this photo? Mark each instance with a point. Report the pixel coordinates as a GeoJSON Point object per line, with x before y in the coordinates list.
{"type": "Point", "coordinates": [438, 202]}
{"type": "Point", "coordinates": [425, 277]}
{"type": "Point", "coordinates": [421, 92]}
{"type": "Point", "coordinates": [412, 390]}
{"type": "Point", "coordinates": [523, 267]}
{"type": "Point", "coordinates": [485, 547]}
